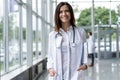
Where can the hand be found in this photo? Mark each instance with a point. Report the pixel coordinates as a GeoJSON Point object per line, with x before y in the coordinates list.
{"type": "Point", "coordinates": [52, 72]}
{"type": "Point", "coordinates": [82, 67]}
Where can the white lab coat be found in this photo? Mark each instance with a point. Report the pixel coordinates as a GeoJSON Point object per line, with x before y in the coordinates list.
{"type": "Point", "coordinates": [74, 55]}
{"type": "Point", "coordinates": [90, 45]}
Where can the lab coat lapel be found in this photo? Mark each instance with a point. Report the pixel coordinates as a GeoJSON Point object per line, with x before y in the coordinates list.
{"type": "Point", "coordinates": [57, 39]}
{"type": "Point", "coordinates": [58, 64]}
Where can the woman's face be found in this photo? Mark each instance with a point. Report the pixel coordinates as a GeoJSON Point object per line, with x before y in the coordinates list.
{"type": "Point", "coordinates": [65, 15]}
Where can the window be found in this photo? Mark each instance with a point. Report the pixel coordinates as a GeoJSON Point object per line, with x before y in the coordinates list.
{"type": "Point", "coordinates": [34, 35]}
{"type": "Point", "coordinates": [2, 49]}
{"type": "Point", "coordinates": [13, 35]}
{"type": "Point", "coordinates": [24, 40]}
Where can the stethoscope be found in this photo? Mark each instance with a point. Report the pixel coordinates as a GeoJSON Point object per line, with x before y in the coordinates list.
{"type": "Point", "coordinates": [59, 35]}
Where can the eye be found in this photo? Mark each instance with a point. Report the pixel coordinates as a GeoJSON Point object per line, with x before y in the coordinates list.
{"type": "Point", "coordinates": [61, 11]}
{"type": "Point", "coordinates": [67, 11]}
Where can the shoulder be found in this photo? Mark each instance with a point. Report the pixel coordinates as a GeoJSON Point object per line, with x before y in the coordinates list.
{"type": "Point", "coordinates": [81, 30]}
{"type": "Point", "coordinates": [52, 34]}
{"type": "Point", "coordinates": [82, 33]}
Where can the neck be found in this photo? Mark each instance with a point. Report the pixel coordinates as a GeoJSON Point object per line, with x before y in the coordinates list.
{"type": "Point", "coordinates": [65, 27]}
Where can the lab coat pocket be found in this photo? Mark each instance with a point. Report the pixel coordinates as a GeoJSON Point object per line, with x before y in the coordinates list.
{"type": "Point", "coordinates": [78, 43]}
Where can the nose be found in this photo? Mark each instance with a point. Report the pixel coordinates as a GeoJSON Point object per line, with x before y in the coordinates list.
{"type": "Point", "coordinates": [64, 13]}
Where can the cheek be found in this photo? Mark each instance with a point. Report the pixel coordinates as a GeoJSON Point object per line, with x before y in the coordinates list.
{"type": "Point", "coordinates": [69, 15]}
{"type": "Point", "coordinates": [60, 16]}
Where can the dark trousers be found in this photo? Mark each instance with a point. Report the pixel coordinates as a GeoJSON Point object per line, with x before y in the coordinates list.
{"type": "Point", "coordinates": [92, 58]}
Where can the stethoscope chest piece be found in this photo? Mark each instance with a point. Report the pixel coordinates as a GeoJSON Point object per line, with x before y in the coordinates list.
{"type": "Point", "coordinates": [72, 44]}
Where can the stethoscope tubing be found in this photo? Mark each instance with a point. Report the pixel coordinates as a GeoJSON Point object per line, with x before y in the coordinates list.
{"type": "Point", "coordinates": [73, 35]}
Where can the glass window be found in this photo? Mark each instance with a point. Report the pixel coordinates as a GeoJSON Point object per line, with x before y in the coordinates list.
{"type": "Point", "coordinates": [119, 30]}
{"type": "Point", "coordinates": [2, 49]}
{"type": "Point", "coordinates": [39, 7]}
{"type": "Point", "coordinates": [34, 5]}
{"type": "Point", "coordinates": [34, 35]}
{"type": "Point", "coordinates": [39, 36]}
{"type": "Point", "coordinates": [13, 33]}
{"type": "Point", "coordinates": [24, 27]}
{"type": "Point", "coordinates": [24, 1]}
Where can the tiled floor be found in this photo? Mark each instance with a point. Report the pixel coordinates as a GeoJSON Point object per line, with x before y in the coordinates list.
{"type": "Point", "coordinates": [44, 76]}
{"type": "Point", "coordinates": [104, 70]}
{"type": "Point", "coordinates": [108, 69]}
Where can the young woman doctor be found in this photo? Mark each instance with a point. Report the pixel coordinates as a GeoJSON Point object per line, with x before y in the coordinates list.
{"type": "Point", "coordinates": [66, 57]}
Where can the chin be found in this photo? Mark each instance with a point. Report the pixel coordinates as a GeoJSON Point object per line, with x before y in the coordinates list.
{"type": "Point", "coordinates": [65, 21]}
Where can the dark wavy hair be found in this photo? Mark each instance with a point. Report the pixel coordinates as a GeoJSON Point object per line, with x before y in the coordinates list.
{"type": "Point", "coordinates": [57, 21]}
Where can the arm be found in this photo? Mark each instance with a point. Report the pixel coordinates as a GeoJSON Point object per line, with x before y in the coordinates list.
{"type": "Point", "coordinates": [84, 56]}
{"type": "Point", "coordinates": [84, 60]}
{"type": "Point", "coordinates": [50, 57]}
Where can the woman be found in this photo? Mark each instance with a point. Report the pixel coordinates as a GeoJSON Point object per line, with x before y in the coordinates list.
{"type": "Point", "coordinates": [66, 57]}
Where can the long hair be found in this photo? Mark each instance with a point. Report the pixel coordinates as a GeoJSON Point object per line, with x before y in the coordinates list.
{"type": "Point", "coordinates": [57, 20]}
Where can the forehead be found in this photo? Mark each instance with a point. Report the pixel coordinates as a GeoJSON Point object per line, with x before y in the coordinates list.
{"type": "Point", "coordinates": [64, 7]}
